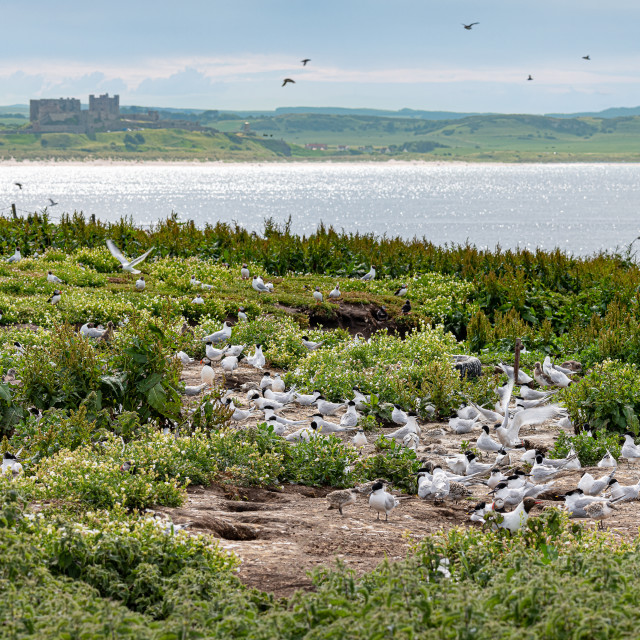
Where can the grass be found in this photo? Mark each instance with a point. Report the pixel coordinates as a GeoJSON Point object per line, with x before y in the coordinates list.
{"type": "Point", "coordinates": [487, 138]}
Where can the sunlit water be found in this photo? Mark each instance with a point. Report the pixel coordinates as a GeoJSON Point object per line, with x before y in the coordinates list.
{"type": "Point", "coordinates": [581, 208]}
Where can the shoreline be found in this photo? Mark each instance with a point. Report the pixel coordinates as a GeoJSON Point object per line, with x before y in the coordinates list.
{"type": "Point", "coordinates": [101, 162]}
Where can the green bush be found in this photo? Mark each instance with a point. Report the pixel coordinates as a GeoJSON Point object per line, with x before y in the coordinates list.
{"type": "Point", "coordinates": [393, 462]}
{"type": "Point", "coordinates": [590, 449]}
{"type": "Point", "coordinates": [60, 374]}
{"type": "Point", "coordinates": [608, 397]}
{"type": "Point", "coordinates": [322, 461]}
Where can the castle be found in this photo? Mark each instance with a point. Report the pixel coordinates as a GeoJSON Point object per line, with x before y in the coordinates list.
{"type": "Point", "coordinates": [65, 115]}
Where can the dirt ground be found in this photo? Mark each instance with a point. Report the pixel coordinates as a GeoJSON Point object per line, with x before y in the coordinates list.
{"type": "Point", "coordinates": [280, 536]}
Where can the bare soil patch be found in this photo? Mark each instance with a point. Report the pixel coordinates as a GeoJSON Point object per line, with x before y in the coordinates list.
{"type": "Point", "coordinates": [280, 535]}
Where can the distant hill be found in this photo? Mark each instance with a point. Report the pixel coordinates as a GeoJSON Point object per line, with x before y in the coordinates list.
{"type": "Point", "coordinates": [187, 114]}
{"type": "Point", "coordinates": [350, 135]}
{"type": "Point", "coordinates": [615, 112]}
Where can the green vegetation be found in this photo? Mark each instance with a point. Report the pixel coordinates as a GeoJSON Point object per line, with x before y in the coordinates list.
{"type": "Point", "coordinates": [481, 138]}
{"type": "Point", "coordinates": [80, 555]}
{"type": "Point", "coordinates": [114, 575]}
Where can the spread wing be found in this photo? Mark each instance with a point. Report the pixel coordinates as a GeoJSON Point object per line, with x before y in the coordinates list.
{"type": "Point", "coordinates": [139, 259]}
{"type": "Point", "coordinates": [116, 253]}
{"type": "Point", "coordinates": [506, 398]}
{"type": "Point", "coordinates": [537, 415]}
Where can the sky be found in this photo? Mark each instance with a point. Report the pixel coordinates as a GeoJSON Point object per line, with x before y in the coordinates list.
{"type": "Point", "coordinates": [385, 54]}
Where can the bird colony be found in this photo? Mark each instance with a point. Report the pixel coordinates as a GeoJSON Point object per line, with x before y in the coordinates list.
{"type": "Point", "coordinates": [142, 395]}
{"type": "Point", "coordinates": [480, 455]}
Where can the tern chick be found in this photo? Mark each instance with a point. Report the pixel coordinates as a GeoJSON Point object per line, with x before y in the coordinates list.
{"type": "Point", "coordinates": [339, 499]}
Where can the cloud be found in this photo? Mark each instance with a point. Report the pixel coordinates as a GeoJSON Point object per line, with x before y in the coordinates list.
{"type": "Point", "coordinates": [253, 81]}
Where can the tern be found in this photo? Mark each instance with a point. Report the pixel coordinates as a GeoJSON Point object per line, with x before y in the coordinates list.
{"type": "Point", "coordinates": [381, 501]}
{"type": "Point", "coordinates": [593, 487]}
{"type": "Point", "coordinates": [127, 265]}
{"type": "Point", "coordinates": [341, 498]}
{"type": "Point", "coordinates": [630, 450]}
{"type": "Point", "coordinates": [309, 344]}
{"type": "Point", "coordinates": [317, 295]}
{"type": "Point", "coordinates": [369, 276]}
{"type": "Point", "coordinates": [257, 360]}
{"type": "Point", "coordinates": [360, 439]}
{"type": "Point", "coordinates": [328, 408]}
{"type": "Point", "coordinates": [329, 427]}
{"type": "Point", "coordinates": [140, 283]}
{"type": "Point", "coordinates": [334, 294]}
{"type": "Point", "coordinates": [350, 418]}
{"type": "Point", "coordinates": [621, 493]}
{"type": "Point", "coordinates": [308, 399]}
{"type": "Point", "coordinates": [16, 257]}
{"type": "Point", "coordinates": [190, 390]}
{"type": "Point", "coordinates": [486, 443]}
{"type": "Point", "coordinates": [219, 336]}
{"type": "Point", "coordinates": [244, 272]}
{"type": "Point", "coordinates": [259, 286]}
{"type": "Point", "coordinates": [182, 356]}
{"type": "Point", "coordinates": [599, 511]}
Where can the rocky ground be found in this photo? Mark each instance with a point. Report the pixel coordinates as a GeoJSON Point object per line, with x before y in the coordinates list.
{"type": "Point", "coordinates": [281, 535]}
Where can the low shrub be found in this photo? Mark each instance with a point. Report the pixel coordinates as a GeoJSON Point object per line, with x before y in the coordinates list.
{"type": "Point", "coordinates": [393, 462]}
{"type": "Point", "coordinates": [322, 461]}
{"type": "Point", "coordinates": [608, 397]}
{"type": "Point", "coordinates": [590, 449]}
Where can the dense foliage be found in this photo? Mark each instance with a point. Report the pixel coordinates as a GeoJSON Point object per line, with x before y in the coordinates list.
{"type": "Point", "coordinates": [105, 435]}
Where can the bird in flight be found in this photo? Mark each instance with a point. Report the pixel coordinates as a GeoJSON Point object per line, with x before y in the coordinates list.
{"type": "Point", "coordinates": [287, 81]}
{"type": "Point", "coordinates": [586, 57]}
{"type": "Point", "coordinates": [468, 27]}
{"type": "Point", "coordinates": [530, 77]}
{"type": "Point", "coordinates": [18, 184]}
{"type": "Point", "coordinates": [52, 203]}
{"type": "Point", "coordinates": [304, 62]}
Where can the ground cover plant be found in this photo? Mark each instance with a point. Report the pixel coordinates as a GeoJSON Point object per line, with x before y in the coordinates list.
{"type": "Point", "coordinates": [105, 433]}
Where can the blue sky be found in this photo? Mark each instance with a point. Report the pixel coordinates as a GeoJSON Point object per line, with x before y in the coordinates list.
{"type": "Point", "coordinates": [377, 54]}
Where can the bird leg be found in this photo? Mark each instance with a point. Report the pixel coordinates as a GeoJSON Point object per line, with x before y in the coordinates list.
{"type": "Point", "coordinates": [340, 510]}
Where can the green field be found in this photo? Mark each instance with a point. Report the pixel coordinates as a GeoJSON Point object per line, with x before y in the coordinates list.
{"type": "Point", "coordinates": [505, 138]}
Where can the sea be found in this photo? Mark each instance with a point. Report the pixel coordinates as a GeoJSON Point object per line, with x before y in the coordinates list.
{"type": "Point", "coordinates": [580, 208]}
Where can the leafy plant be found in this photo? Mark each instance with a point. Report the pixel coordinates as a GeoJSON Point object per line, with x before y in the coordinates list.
{"type": "Point", "coordinates": [608, 398]}
{"type": "Point", "coordinates": [590, 449]}
{"type": "Point", "coordinates": [394, 463]}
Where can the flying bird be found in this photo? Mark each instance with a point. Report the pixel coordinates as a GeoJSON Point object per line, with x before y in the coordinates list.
{"type": "Point", "coordinates": [530, 77]}
{"type": "Point", "coordinates": [468, 27]}
{"type": "Point", "coordinates": [51, 202]}
{"type": "Point", "coordinates": [586, 57]}
{"type": "Point", "coordinates": [18, 184]}
{"type": "Point", "coordinates": [287, 81]}
{"type": "Point", "coordinates": [304, 62]}
{"type": "Point", "coordinates": [127, 265]}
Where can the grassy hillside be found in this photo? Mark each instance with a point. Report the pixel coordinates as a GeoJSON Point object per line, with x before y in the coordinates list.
{"type": "Point", "coordinates": [504, 138]}
{"type": "Point", "coordinates": [168, 144]}
{"type": "Point", "coordinates": [489, 137]}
